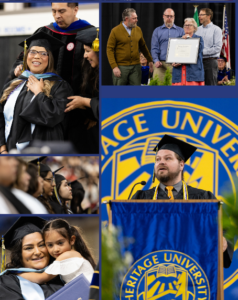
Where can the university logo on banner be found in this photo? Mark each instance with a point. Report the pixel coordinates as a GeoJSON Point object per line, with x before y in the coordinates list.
{"type": "Point", "coordinates": [175, 250]}
{"type": "Point", "coordinates": [128, 138]}
{"type": "Point", "coordinates": [165, 274]}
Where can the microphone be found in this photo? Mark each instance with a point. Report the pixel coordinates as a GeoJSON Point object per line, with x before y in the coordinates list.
{"type": "Point", "coordinates": [142, 183]}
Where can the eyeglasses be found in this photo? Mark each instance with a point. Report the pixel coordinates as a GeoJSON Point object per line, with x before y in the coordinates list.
{"type": "Point", "coordinates": [202, 15]}
{"type": "Point", "coordinates": [41, 53]}
{"type": "Point", "coordinates": [167, 16]}
{"type": "Point", "coordinates": [50, 180]}
{"type": "Point", "coordinates": [188, 25]}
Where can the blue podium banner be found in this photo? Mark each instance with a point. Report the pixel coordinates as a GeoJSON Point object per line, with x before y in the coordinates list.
{"type": "Point", "coordinates": [175, 249]}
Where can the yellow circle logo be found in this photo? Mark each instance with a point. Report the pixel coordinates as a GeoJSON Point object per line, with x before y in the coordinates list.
{"type": "Point", "coordinates": [166, 275]}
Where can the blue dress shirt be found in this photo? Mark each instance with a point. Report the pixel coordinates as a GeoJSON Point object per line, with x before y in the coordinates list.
{"type": "Point", "coordinates": [212, 37]}
{"type": "Point", "coordinates": [160, 38]}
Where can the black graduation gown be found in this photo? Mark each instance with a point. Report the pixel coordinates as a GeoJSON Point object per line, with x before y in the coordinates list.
{"type": "Point", "coordinates": [68, 64]}
{"type": "Point", "coordinates": [58, 209]}
{"type": "Point", "coordinates": [46, 112]}
{"type": "Point", "coordinates": [10, 287]}
{"type": "Point", "coordinates": [195, 194]}
{"type": "Point", "coordinates": [85, 140]}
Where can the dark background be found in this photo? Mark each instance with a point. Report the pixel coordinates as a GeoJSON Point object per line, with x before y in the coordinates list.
{"type": "Point", "coordinates": [150, 16]}
{"type": "Point", "coordinates": [9, 51]}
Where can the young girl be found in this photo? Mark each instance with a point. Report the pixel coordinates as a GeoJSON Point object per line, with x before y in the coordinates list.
{"type": "Point", "coordinates": [72, 256]}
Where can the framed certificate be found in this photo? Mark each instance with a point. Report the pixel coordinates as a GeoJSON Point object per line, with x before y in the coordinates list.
{"type": "Point", "coordinates": [183, 51]}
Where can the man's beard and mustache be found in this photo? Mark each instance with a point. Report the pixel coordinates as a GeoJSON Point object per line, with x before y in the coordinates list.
{"type": "Point", "coordinates": [169, 24]}
{"type": "Point", "coordinates": [132, 25]}
{"type": "Point", "coordinates": [168, 176]}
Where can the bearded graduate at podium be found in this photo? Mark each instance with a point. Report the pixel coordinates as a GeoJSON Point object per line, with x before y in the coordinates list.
{"type": "Point", "coordinates": [171, 155]}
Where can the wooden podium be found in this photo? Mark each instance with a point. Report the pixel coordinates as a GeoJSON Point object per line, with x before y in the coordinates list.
{"type": "Point", "coordinates": [220, 291]}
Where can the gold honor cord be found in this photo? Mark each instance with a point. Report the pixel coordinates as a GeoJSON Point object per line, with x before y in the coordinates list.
{"type": "Point", "coordinates": [3, 266]}
{"type": "Point", "coordinates": [185, 191]}
{"type": "Point", "coordinates": [57, 196]}
{"type": "Point", "coordinates": [24, 58]}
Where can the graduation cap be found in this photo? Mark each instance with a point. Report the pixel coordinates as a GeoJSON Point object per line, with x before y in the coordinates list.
{"type": "Point", "coordinates": [59, 178]}
{"type": "Point", "coordinates": [183, 149]}
{"type": "Point", "coordinates": [22, 227]}
{"type": "Point", "coordinates": [43, 167]}
{"type": "Point", "coordinates": [89, 37]}
{"type": "Point", "coordinates": [42, 39]}
{"type": "Point", "coordinates": [223, 57]}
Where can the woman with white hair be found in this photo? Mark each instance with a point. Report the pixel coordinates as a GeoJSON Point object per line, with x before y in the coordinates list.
{"type": "Point", "coordinates": [189, 74]}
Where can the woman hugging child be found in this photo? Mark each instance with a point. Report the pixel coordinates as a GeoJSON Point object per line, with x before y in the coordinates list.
{"type": "Point", "coordinates": [72, 256]}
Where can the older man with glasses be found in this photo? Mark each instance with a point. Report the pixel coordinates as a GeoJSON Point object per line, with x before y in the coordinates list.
{"type": "Point", "coordinates": [159, 43]}
{"type": "Point", "coordinates": [212, 37]}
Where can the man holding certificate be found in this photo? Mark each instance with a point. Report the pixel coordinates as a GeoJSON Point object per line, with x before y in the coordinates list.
{"type": "Point", "coordinates": [159, 42]}
{"type": "Point", "coordinates": [212, 36]}
{"type": "Point", "coordinates": [188, 74]}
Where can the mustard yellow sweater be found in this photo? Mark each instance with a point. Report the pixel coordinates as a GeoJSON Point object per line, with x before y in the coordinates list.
{"type": "Point", "coordinates": [123, 49]}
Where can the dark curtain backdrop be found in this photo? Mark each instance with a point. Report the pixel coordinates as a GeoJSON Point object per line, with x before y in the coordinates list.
{"type": "Point", "coordinates": [150, 16]}
{"type": "Point", "coordinates": [9, 51]}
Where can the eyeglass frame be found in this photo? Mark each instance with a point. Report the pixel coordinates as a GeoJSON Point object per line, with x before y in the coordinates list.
{"type": "Point", "coordinates": [188, 25]}
{"type": "Point", "coordinates": [169, 16]}
{"type": "Point", "coordinates": [50, 180]}
{"type": "Point", "coordinates": [38, 52]}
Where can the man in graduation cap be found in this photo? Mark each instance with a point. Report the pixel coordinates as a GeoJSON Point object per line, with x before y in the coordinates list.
{"type": "Point", "coordinates": [171, 155]}
{"type": "Point", "coordinates": [28, 254]}
{"type": "Point", "coordinates": [68, 58]}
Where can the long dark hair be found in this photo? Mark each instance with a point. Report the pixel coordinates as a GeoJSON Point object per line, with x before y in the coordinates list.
{"type": "Point", "coordinates": [67, 230]}
{"type": "Point", "coordinates": [44, 200]}
{"type": "Point", "coordinates": [90, 78]}
{"type": "Point", "coordinates": [33, 185]}
{"type": "Point", "coordinates": [16, 256]}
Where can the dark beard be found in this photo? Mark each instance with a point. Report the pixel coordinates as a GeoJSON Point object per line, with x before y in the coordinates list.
{"type": "Point", "coordinates": [165, 178]}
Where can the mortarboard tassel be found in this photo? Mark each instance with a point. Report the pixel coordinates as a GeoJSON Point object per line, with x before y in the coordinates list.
{"type": "Point", "coordinates": [3, 266]}
{"type": "Point", "coordinates": [153, 179]}
{"type": "Point", "coordinates": [95, 45]}
{"type": "Point", "coordinates": [38, 165]}
{"type": "Point", "coordinates": [24, 58]}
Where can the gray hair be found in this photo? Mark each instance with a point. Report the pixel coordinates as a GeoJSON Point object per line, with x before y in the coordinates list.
{"type": "Point", "coordinates": [194, 23]}
{"type": "Point", "coordinates": [127, 13]}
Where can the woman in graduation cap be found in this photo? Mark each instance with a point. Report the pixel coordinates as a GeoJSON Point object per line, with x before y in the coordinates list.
{"type": "Point", "coordinates": [51, 204]}
{"type": "Point", "coordinates": [62, 192]}
{"type": "Point", "coordinates": [83, 109]}
{"type": "Point", "coordinates": [32, 106]}
{"type": "Point", "coordinates": [28, 254]}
